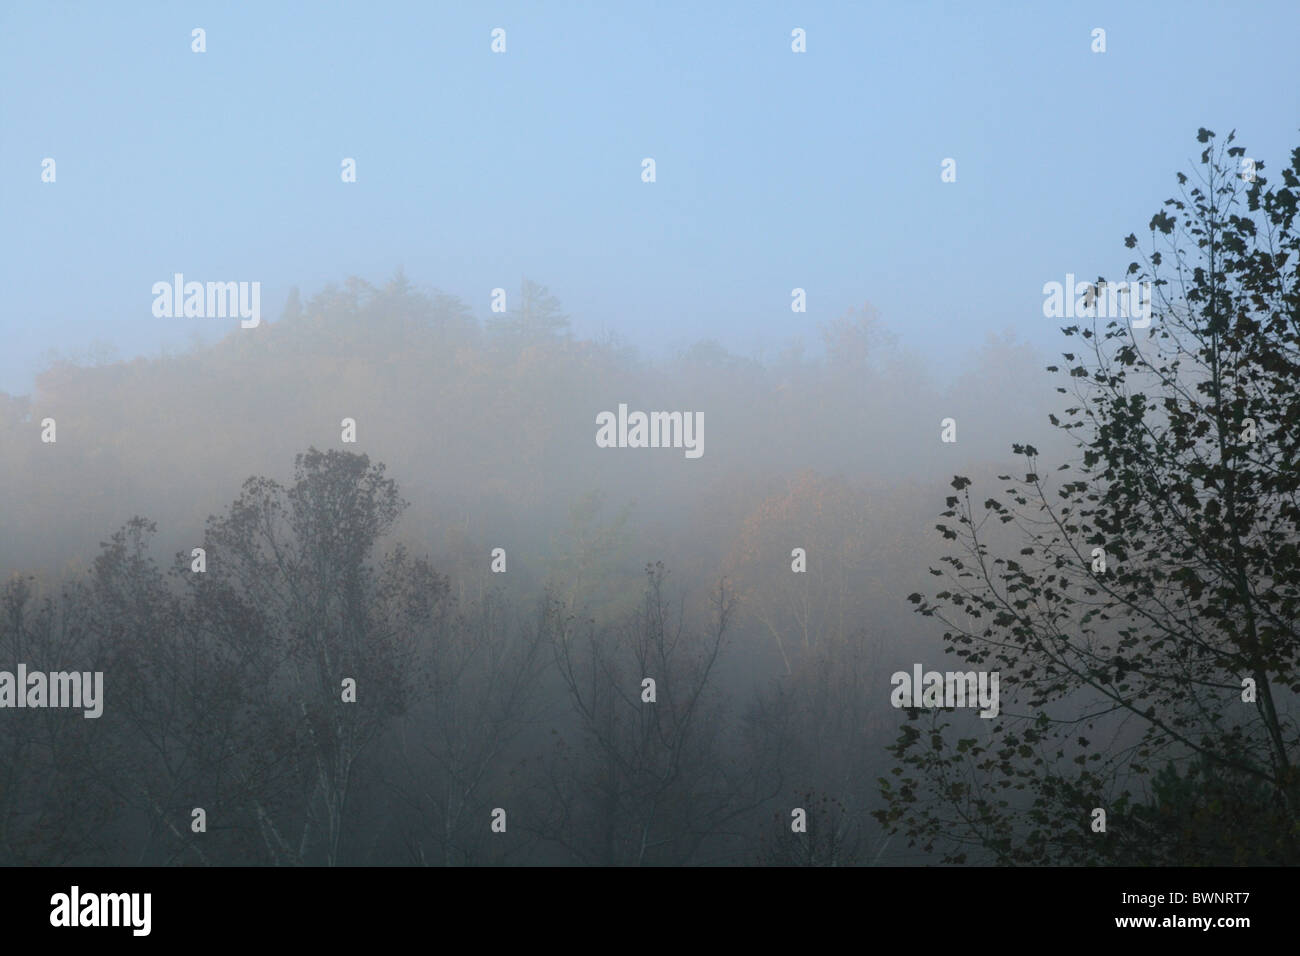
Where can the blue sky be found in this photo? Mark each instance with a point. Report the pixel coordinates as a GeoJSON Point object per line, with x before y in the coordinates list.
{"type": "Point", "coordinates": [775, 169]}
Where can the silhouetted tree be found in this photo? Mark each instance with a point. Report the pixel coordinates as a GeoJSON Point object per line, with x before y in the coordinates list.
{"type": "Point", "coordinates": [640, 782]}
{"type": "Point", "coordinates": [1183, 651]}
{"type": "Point", "coordinates": [291, 583]}
{"type": "Point", "coordinates": [55, 804]}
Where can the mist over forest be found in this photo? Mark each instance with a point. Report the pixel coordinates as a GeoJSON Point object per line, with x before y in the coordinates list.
{"type": "Point", "coordinates": [868, 466]}
{"type": "Point", "coordinates": [397, 586]}
{"type": "Point", "coordinates": [485, 426]}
